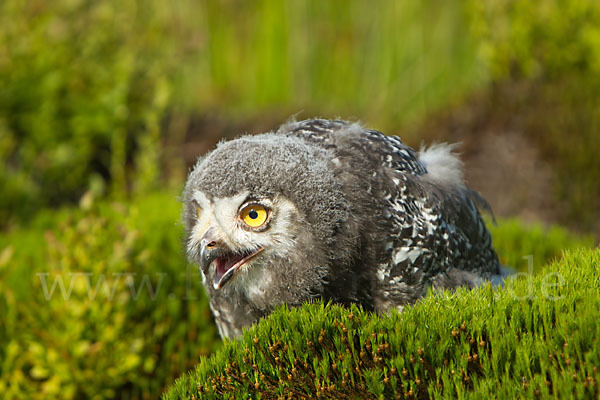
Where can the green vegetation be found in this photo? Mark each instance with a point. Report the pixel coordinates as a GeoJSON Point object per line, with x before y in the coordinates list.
{"type": "Point", "coordinates": [100, 96]}
{"type": "Point", "coordinates": [530, 339]}
{"type": "Point", "coordinates": [545, 55]}
{"type": "Point", "coordinates": [540, 40]}
{"type": "Point", "coordinates": [91, 92]}
{"type": "Point", "coordinates": [83, 90]}
{"type": "Point", "coordinates": [532, 246]}
{"type": "Point", "coordinates": [129, 336]}
{"type": "Point", "coordinates": [100, 304]}
{"type": "Point", "coordinates": [98, 101]}
{"type": "Point", "coordinates": [375, 62]}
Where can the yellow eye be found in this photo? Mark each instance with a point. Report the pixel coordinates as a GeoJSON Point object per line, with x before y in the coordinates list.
{"type": "Point", "coordinates": [198, 211]}
{"type": "Point", "coordinates": [254, 215]}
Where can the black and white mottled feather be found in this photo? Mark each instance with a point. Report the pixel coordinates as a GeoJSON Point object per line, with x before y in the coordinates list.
{"type": "Point", "coordinates": [357, 216]}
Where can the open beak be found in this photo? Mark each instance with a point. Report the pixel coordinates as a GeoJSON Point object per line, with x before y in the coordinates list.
{"type": "Point", "coordinates": [226, 261]}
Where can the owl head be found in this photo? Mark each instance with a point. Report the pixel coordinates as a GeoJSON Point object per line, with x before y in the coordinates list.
{"type": "Point", "coordinates": [263, 217]}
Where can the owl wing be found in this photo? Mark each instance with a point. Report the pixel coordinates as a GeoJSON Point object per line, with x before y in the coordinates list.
{"type": "Point", "coordinates": [433, 232]}
{"type": "Point", "coordinates": [438, 237]}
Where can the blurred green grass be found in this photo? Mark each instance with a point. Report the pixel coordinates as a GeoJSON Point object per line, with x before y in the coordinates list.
{"type": "Point", "coordinates": [85, 88]}
{"type": "Point", "coordinates": [529, 247]}
{"type": "Point", "coordinates": [95, 96]}
{"type": "Point", "coordinates": [387, 62]}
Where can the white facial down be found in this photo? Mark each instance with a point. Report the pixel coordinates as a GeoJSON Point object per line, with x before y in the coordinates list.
{"type": "Point", "coordinates": [243, 243]}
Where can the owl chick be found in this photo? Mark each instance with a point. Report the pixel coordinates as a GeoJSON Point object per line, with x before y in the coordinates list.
{"type": "Point", "coordinates": [327, 209]}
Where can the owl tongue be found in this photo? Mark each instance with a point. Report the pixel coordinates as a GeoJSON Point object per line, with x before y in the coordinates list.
{"type": "Point", "coordinates": [224, 267]}
{"type": "Point", "coordinates": [227, 265]}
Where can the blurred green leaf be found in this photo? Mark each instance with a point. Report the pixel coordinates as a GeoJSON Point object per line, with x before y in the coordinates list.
{"type": "Point", "coordinates": [73, 329]}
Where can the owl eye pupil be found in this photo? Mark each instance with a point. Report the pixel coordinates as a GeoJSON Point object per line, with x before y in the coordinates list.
{"type": "Point", "coordinates": [254, 215]}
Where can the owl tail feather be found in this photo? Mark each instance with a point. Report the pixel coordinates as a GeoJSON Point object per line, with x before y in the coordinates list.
{"type": "Point", "coordinates": [481, 203]}
{"type": "Point", "coordinates": [443, 165]}
{"type": "Point", "coordinates": [445, 168]}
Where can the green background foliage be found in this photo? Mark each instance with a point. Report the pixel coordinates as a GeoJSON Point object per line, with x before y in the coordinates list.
{"type": "Point", "coordinates": [100, 304]}
{"type": "Point", "coordinates": [540, 40]}
{"type": "Point", "coordinates": [99, 100]}
{"type": "Point", "coordinates": [83, 89]}
{"type": "Point", "coordinates": [375, 61]}
{"type": "Point", "coordinates": [548, 52]}
{"type": "Point", "coordinates": [90, 93]}
{"type": "Point", "coordinates": [532, 246]}
{"type": "Point", "coordinates": [85, 86]}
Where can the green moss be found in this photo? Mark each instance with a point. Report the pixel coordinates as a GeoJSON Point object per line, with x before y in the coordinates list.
{"type": "Point", "coordinates": [535, 337]}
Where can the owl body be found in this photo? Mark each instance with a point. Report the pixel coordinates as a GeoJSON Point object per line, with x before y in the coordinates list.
{"type": "Point", "coordinates": [327, 209]}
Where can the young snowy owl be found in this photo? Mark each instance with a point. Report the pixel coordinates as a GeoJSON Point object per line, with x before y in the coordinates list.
{"type": "Point", "coordinates": [328, 209]}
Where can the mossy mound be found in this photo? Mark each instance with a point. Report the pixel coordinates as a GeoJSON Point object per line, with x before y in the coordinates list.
{"type": "Point", "coordinates": [538, 336]}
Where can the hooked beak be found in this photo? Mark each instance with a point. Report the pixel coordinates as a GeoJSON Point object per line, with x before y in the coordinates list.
{"type": "Point", "coordinates": [226, 262]}
{"type": "Point", "coordinates": [209, 250]}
